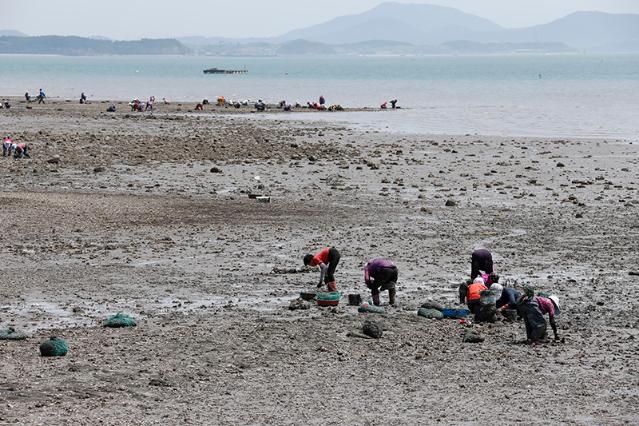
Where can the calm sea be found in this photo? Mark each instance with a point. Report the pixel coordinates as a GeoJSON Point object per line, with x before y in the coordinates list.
{"type": "Point", "coordinates": [553, 95]}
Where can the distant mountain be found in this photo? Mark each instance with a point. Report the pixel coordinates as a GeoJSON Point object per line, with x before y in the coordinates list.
{"type": "Point", "coordinates": [99, 37]}
{"type": "Point", "coordinates": [12, 33]}
{"type": "Point", "coordinates": [583, 30]}
{"type": "Point", "coordinates": [409, 23]}
{"type": "Point", "coordinates": [57, 45]}
{"type": "Point", "coordinates": [203, 41]}
{"type": "Point", "coordinates": [388, 29]}
{"type": "Point", "coordinates": [423, 24]}
{"type": "Point", "coordinates": [304, 47]}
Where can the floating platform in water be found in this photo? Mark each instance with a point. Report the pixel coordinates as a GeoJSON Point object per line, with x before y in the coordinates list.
{"type": "Point", "coordinates": [222, 71]}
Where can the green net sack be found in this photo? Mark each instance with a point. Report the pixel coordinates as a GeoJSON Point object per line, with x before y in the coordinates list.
{"type": "Point", "coordinates": [366, 308]}
{"type": "Point", "coordinates": [430, 313]}
{"type": "Point", "coordinates": [54, 347]}
{"type": "Point", "coordinates": [10, 333]}
{"type": "Point", "coordinates": [119, 320]}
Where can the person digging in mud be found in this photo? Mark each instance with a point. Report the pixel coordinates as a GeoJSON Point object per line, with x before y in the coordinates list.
{"type": "Point", "coordinates": [481, 260]}
{"type": "Point", "coordinates": [7, 145]}
{"type": "Point", "coordinates": [506, 297]}
{"type": "Point", "coordinates": [533, 308]}
{"type": "Point", "coordinates": [554, 299]}
{"type": "Point", "coordinates": [327, 260]}
{"type": "Point", "coordinates": [471, 294]}
{"type": "Point", "coordinates": [21, 150]}
{"type": "Point", "coordinates": [381, 275]}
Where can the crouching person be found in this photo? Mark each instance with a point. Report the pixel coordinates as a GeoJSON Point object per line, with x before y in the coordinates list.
{"type": "Point", "coordinates": [21, 150]}
{"type": "Point", "coordinates": [470, 293]}
{"type": "Point", "coordinates": [533, 308]}
{"type": "Point", "coordinates": [381, 275]}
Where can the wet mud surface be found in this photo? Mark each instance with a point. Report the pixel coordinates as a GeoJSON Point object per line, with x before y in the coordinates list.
{"type": "Point", "coordinates": [152, 217]}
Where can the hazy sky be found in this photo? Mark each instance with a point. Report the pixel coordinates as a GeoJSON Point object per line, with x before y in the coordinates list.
{"type": "Point", "coordinates": [128, 19]}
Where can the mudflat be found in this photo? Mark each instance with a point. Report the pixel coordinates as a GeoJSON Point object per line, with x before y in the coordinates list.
{"type": "Point", "coordinates": [150, 215]}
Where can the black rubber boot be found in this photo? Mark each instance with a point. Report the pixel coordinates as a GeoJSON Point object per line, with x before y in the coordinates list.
{"type": "Point", "coordinates": [376, 301]}
{"type": "Point", "coordinates": [391, 296]}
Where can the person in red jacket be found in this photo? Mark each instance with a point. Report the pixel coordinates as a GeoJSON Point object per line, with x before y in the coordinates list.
{"type": "Point", "coordinates": [327, 260]}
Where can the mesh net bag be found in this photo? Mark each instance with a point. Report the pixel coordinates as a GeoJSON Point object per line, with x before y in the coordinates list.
{"type": "Point", "coordinates": [54, 347]}
{"type": "Point", "coordinates": [10, 333]}
{"type": "Point", "coordinates": [119, 320]}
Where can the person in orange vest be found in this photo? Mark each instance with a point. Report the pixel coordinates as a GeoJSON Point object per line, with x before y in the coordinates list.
{"type": "Point", "coordinates": [471, 294]}
{"type": "Point", "coordinates": [327, 260]}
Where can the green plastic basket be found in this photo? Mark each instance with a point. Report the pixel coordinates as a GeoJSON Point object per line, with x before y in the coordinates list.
{"type": "Point", "coordinates": [329, 297]}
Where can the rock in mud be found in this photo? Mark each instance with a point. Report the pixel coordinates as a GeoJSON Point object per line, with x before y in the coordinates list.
{"type": "Point", "coordinates": [473, 337]}
{"type": "Point", "coordinates": [299, 303]}
{"type": "Point", "coordinates": [373, 329]}
{"type": "Point", "coordinates": [451, 203]}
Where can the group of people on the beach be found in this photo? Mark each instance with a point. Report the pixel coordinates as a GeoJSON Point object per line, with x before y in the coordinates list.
{"type": "Point", "coordinates": [39, 98]}
{"type": "Point", "coordinates": [139, 106]}
{"type": "Point", "coordinates": [261, 106]}
{"type": "Point", "coordinates": [482, 293]}
{"type": "Point", "coordinates": [19, 150]}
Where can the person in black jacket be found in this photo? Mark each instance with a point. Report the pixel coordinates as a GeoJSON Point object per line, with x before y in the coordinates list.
{"type": "Point", "coordinates": [481, 260]}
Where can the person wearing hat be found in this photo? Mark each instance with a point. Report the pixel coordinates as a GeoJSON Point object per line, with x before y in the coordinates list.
{"type": "Point", "coordinates": [533, 308]}
{"type": "Point", "coordinates": [21, 150]}
{"type": "Point", "coordinates": [554, 299]}
{"type": "Point", "coordinates": [506, 297]}
{"type": "Point", "coordinates": [7, 146]}
{"type": "Point", "coordinates": [380, 275]}
{"type": "Point", "coordinates": [327, 260]}
{"type": "Point", "coordinates": [471, 294]}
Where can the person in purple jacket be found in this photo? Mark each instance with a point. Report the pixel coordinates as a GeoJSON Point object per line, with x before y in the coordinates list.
{"type": "Point", "coordinates": [381, 275]}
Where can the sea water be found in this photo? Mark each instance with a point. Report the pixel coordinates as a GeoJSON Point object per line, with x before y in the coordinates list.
{"type": "Point", "coordinates": [530, 95]}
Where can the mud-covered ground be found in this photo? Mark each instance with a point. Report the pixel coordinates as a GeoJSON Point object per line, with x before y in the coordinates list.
{"type": "Point", "coordinates": [149, 214]}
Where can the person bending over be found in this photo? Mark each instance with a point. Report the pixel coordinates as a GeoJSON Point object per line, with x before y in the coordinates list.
{"type": "Point", "coordinates": [327, 260]}
{"type": "Point", "coordinates": [481, 260]}
{"type": "Point", "coordinates": [381, 275]}
{"type": "Point", "coordinates": [533, 308]}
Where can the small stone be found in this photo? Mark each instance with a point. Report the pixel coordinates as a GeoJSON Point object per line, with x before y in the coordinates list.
{"type": "Point", "coordinates": [561, 165]}
{"type": "Point", "coordinates": [99, 169]}
{"type": "Point", "coordinates": [215, 170]}
{"type": "Point", "coordinates": [451, 203]}
{"type": "Point", "coordinates": [473, 337]}
{"type": "Point", "coordinates": [54, 160]}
